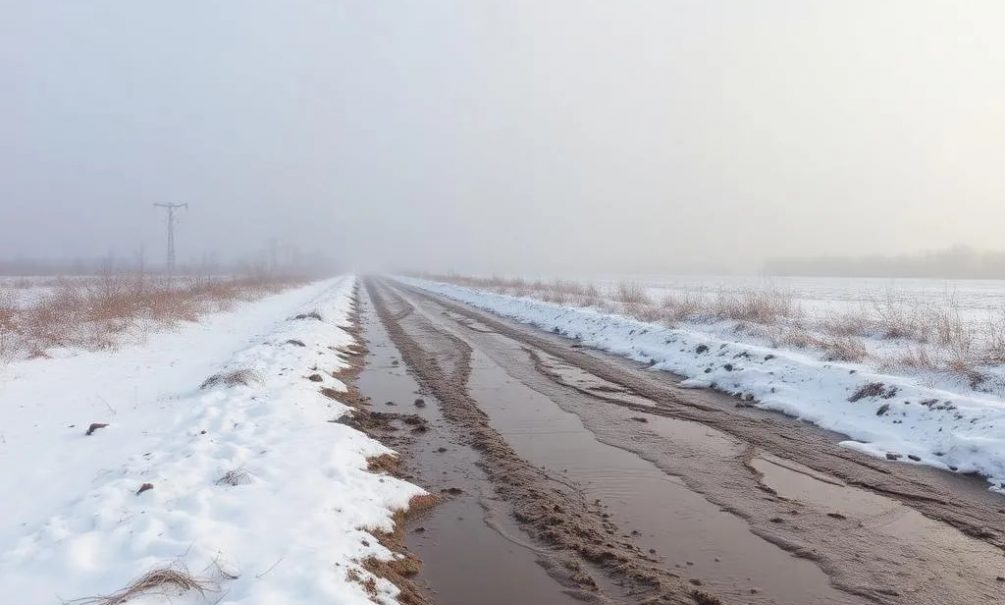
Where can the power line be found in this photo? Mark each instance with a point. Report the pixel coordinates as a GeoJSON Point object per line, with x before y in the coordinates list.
{"type": "Point", "coordinates": [170, 234]}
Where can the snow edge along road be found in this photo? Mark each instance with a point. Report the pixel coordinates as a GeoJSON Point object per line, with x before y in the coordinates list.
{"type": "Point", "coordinates": [887, 416]}
{"type": "Point", "coordinates": [255, 490]}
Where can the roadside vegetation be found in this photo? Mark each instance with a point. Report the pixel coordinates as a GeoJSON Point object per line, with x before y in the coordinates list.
{"type": "Point", "coordinates": [38, 315]}
{"type": "Point", "coordinates": [890, 332]}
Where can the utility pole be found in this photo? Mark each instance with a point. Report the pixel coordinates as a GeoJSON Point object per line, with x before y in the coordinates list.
{"type": "Point", "coordinates": [171, 223]}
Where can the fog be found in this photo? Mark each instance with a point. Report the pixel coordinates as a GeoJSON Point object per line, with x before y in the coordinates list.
{"type": "Point", "coordinates": [503, 136]}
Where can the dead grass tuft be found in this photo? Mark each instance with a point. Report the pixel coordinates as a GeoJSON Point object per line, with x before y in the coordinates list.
{"type": "Point", "coordinates": [844, 348]}
{"type": "Point", "coordinates": [632, 293]}
{"type": "Point", "coordinates": [10, 344]}
{"type": "Point", "coordinates": [231, 379]}
{"type": "Point", "coordinates": [765, 306]}
{"type": "Point", "coordinates": [163, 582]}
{"type": "Point", "coordinates": [384, 463]}
{"type": "Point", "coordinates": [234, 477]}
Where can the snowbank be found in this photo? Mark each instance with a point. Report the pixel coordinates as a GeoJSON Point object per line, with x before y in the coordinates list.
{"type": "Point", "coordinates": [255, 492]}
{"type": "Point", "coordinates": [889, 416]}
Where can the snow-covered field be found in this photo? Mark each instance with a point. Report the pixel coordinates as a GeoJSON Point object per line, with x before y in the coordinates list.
{"type": "Point", "coordinates": [248, 487]}
{"type": "Point", "coordinates": [899, 415]}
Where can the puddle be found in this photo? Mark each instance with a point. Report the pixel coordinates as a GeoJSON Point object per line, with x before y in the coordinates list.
{"type": "Point", "coordinates": [470, 552]}
{"type": "Point", "coordinates": [967, 567]}
{"type": "Point", "coordinates": [657, 511]}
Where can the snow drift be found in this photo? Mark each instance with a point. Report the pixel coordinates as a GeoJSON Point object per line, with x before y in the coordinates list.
{"type": "Point", "coordinates": [244, 482]}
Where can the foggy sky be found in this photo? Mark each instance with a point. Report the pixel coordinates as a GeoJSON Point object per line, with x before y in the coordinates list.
{"type": "Point", "coordinates": [510, 136]}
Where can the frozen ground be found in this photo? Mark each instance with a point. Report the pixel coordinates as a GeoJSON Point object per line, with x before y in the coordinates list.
{"type": "Point", "coordinates": [901, 416]}
{"type": "Point", "coordinates": [255, 492]}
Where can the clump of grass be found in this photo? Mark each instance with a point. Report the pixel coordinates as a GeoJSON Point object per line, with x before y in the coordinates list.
{"type": "Point", "coordinates": [631, 293]}
{"type": "Point", "coordinates": [765, 306]}
{"type": "Point", "coordinates": [231, 379]}
{"type": "Point", "coordinates": [161, 581]}
{"type": "Point", "coordinates": [995, 339]}
{"type": "Point", "coordinates": [234, 477]}
{"type": "Point", "coordinates": [844, 348]}
{"type": "Point", "coordinates": [10, 342]}
{"type": "Point", "coordinates": [687, 307]}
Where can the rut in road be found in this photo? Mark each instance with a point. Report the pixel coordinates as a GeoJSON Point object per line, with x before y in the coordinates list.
{"type": "Point", "coordinates": [871, 544]}
{"type": "Point", "coordinates": [552, 510]}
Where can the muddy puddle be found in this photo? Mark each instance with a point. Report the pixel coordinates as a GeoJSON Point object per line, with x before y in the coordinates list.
{"type": "Point", "coordinates": [655, 510]}
{"type": "Point", "coordinates": [470, 548]}
{"type": "Point", "coordinates": [963, 569]}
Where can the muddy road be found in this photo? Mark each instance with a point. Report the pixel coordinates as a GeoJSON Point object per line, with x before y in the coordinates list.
{"type": "Point", "coordinates": [569, 475]}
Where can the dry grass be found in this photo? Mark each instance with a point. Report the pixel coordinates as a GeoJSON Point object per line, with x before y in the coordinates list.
{"type": "Point", "coordinates": [927, 338]}
{"type": "Point", "coordinates": [994, 337]}
{"type": "Point", "coordinates": [242, 377]}
{"type": "Point", "coordinates": [234, 477]}
{"type": "Point", "coordinates": [96, 313]}
{"type": "Point", "coordinates": [631, 293]}
{"type": "Point", "coordinates": [164, 582]}
{"type": "Point", "coordinates": [844, 348]}
{"type": "Point", "coordinates": [10, 344]}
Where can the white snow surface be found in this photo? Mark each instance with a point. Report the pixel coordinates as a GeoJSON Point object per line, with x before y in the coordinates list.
{"type": "Point", "coordinates": [74, 526]}
{"type": "Point", "coordinates": [901, 416]}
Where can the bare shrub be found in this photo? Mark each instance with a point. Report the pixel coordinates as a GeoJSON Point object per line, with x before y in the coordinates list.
{"type": "Point", "coordinates": [162, 582]}
{"type": "Point", "coordinates": [231, 379]}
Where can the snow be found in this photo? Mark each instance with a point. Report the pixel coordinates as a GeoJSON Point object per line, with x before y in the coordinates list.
{"type": "Point", "coordinates": [903, 416]}
{"type": "Point", "coordinates": [290, 530]}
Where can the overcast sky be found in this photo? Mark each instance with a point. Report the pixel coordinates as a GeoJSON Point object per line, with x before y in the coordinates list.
{"type": "Point", "coordinates": [512, 136]}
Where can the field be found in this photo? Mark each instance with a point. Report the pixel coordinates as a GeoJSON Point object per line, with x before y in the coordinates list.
{"type": "Point", "coordinates": [40, 316]}
{"type": "Point", "coordinates": [949, 332]}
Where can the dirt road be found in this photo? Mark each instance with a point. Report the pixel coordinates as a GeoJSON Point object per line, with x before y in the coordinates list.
{"type": "Point", "coordinates": [570, 474]}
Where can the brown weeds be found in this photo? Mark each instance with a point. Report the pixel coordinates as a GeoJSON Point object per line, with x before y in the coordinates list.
{"type": "Point", "coordinates": [94, 313]}
{"type": "Point", "coordinates": [162, 581]}
{"type": "Point", "coordinates": [927, 338]}
{"type": "Point", "coordinates": [230, 379]}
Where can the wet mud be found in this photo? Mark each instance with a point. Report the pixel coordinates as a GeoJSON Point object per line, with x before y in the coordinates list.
{"type": "Point", "coordinates": [869, 531]}
{"type": "Point", "coordinates": [575, 537]}
{"type": "Point", "coordinates": [470, 551]}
